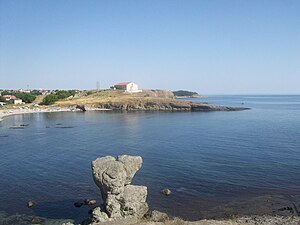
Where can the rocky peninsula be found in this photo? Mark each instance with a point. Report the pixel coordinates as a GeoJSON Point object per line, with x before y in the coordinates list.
{"type": "Point", "coordinates": [148, 100]}
{"type": "Point", "coordinates": [186, 94]}
{"type": "Point", "coordinates": [115, 100]}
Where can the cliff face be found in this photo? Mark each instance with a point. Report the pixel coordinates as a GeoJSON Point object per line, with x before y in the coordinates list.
{"type": "Point", "coordinates": [162, 106]}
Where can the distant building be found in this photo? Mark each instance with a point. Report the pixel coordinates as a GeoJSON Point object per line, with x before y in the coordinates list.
{"type": "Point", "coordinates": [9, 97]}
{"type": "Point", "coordinates": [17, 101]}
{"type": "Point", "coordinates": [127, 87]}
{"type": "Point", "coordinates": [24, 91]}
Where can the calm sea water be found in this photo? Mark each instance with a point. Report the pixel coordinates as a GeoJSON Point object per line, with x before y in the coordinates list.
{"type": "Point", "coordinates": [204, 158]}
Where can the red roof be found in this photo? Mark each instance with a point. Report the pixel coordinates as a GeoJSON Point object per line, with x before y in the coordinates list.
{"type": "Point", "coordinates": [9, 96]}
{"type": "Point", "coordinates": [122, 83]}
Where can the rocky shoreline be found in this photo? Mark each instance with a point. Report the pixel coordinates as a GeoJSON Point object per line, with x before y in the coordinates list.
{"type": "Point", "coordinates": [126, 204]}
{"type": "Point", "coordinates": [172, 106]}
{"type": "Point", "coordinates": [22, 219]}
{"type": "Point", "coordinates": [150, 105]}
{"type": "Point", "coordinates": [26, 110]}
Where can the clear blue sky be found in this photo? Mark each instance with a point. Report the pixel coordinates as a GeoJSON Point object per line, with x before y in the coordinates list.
{"type": "Point", "coordinates": [210, 46]}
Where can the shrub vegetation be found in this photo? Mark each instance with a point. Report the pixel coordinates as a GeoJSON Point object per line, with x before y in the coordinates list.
{"type": "Point", "coordinates": [59, 94]}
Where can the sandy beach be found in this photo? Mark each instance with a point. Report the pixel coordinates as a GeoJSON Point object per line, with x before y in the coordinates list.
{"type": "Point", "coordinates": [5, 112]}
{"type": "Point", "coordinates": [24, 110]}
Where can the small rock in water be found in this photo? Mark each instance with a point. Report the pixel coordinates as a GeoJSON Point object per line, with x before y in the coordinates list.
{"type": "Point", "coordinates": [16, 127]}
{"type": "Point", "coordinates": [90, 202]}
{"type": "Point", "coordinates": [166, 192]}
{"type": "Point", "coordinates": [64, 127]}
{"type": "Point", "coordinates": [31, 203]}
{"type": "Point", "coordinates": [78, 204]}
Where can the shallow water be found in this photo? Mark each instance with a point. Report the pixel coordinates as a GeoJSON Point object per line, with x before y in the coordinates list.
{"type": "Point", "coordinates": [205, 158]}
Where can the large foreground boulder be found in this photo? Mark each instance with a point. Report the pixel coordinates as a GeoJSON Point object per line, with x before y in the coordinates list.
{"type": "Point", "coordinates": [121, 199]}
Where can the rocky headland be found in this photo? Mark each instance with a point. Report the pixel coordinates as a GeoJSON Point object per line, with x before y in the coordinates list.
{"type": "Point", "coordinates": [186, 94]}
{"type": "Point", "coordinates": [148, 100]}
{"type": "Point", "coordinates": [114, 100]}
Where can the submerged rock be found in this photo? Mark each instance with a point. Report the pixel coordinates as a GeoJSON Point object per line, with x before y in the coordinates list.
{"type": "Point", "coordinates": [3, 136]}
{"type": "Point", "coordinates": [64, 127]}
{"type": "Point", "coordinates": [31, 203]}
{"type": "Point", "coordinates": [78, 204]}
{"type": "Point", "coordinates": [166, 192]}
{"type": "Point", "coordinates": [90, 202]}
{"type": "Point", "coordinates": [121, 199]}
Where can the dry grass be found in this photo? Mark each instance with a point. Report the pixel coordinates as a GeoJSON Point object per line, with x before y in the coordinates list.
{"type": "Point", "coordinates": [38, 99]}
{"type": "Point", "coordinates": [112, 96]}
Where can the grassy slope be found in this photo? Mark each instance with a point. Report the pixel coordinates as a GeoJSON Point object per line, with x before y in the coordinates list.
{"type": "Point", "coordinates": [113, 96]}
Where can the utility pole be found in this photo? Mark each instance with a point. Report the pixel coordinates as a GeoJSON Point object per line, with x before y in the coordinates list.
{"type": "Point", "coordinates": [98, 85]}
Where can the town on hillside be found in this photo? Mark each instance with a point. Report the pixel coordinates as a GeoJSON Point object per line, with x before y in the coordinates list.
{"type": "Point", "coordinates": [48, 97]}
{"type": "Point", "coordinates": [21, 96]}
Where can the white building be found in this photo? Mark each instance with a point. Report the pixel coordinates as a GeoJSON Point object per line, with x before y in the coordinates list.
{"type": "Point", "coordinates": [17, 101]}
{"type": "Point", "coordinates": [127, 87]}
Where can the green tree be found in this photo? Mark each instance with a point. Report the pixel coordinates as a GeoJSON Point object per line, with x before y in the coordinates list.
{"type": "Point", "coordinates": [64, 94]}
{"type": "Point", "coordinates": [36, 92]}
{"type": "Point", "coordinates": [26, 97]}
{"type": "Point", "coordinates": [50, 99]}
{"type": "Point", "coordinates": [184, 93]}
{"type": "Point", "coordinates": [2, 99]}
{"type": "Point", "coordinates": [6, 93]}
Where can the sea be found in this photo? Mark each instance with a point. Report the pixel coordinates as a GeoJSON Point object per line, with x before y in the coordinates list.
{"type": "Point", "coordinates": [212, 162]}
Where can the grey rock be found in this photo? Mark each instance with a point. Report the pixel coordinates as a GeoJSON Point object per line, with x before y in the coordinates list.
{"type": "Point", "coordinates": [90, 202]}
{"type": "Point", "coordinates": [166, 192]}
{"type": "Point", "coordinates": [134, 200]}
{"type": "Point", "coordinates": [131, 164]}
{"type": "Point", "coordinates": [31, 203]}
{"type": "Point", "coordinates": [68, 223]}
{"type": "Point", "coordinates": [158, 216]}
{"type": "Point", "coordinates": [99, 216]}
{"type": "Point", "coordinates": [113, 176]}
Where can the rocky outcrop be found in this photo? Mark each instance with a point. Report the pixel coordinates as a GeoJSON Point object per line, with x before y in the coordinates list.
{"type": "Point", "coordinates": [157, 93]}
{"type": "Point", "coordinates": [164, 106]}
{"type": "Point", "coordinates": [148, 100]}
{"type": "Point", "coordinates": [207, 107]}
{"type": "Point", "coordinates": [121, 199]}
{"type": "Point", "coordinates": [81, 107]}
